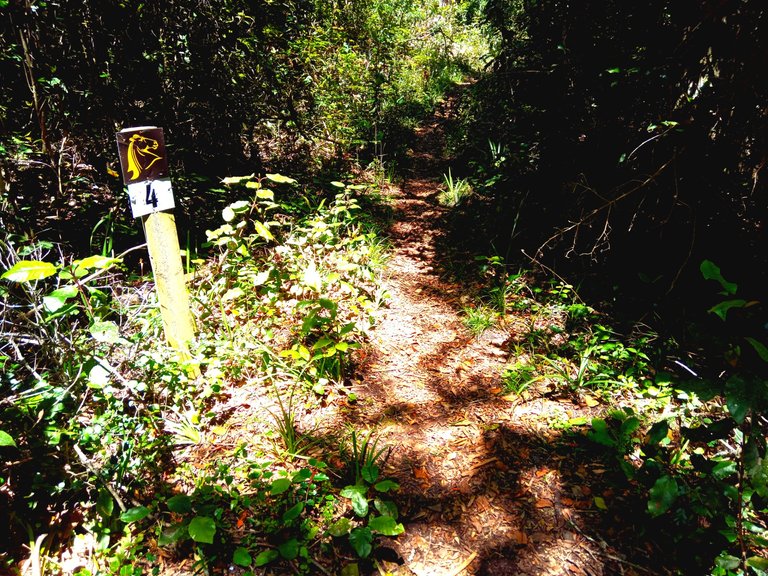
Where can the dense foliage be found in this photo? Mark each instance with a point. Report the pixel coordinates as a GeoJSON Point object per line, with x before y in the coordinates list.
{"type": "Point", "coordinates": [236, 85]}
{"type": "Point", "coordinates": [631, 135]}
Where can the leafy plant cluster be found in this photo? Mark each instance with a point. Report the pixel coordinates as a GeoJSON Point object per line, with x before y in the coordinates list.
{"type": "Point", "coordinates": [691, 440]}
{"type": "Point", "coordinates": [701, 454]}
{"type": "Point", "coordinates": [557, 340]}
{"type": "Point", "coordinates": [97, 413]}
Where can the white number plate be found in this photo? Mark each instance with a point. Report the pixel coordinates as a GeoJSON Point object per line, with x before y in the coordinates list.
{"type": "Point", "coordinates": [150, 196]}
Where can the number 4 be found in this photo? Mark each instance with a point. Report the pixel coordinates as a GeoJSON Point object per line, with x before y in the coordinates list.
{"type": "Point", "coordinates": [151, 196]}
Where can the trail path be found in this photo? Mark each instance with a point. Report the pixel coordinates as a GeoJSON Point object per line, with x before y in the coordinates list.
{"type": "Point", "coordinates": [487, 486]}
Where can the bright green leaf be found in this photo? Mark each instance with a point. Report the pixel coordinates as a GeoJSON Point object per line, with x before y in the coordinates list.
{"type": "Point", "coordinates": [265, 194]}
{"type": "Point", "coordinates": [6, 440]}
{"type": "Point", "coordinates": [29, 270]}
{"type": "Point", "coordinates": [722, 309]}
{"type": "Point", "coordinates": [600, 503]}
{"type": "Point", "coordinates": [758, 562]}
{"type": "Point", "coordinates": [710, 271]}
{"type": "Point", "coordinates": [292, 513]}
{"type": "Point", "coordinates": [262, 230]}
{"type": "Point", "coordinates": [280, 179]}
{"type": "Point", "coordinates": [202, 529]}
{"type": "Point", "coordinates": [58, 298]}
{"type": "Point", "coordinates": [386, 508]}
{"type": "Point", "coordinates": [98, 262]}
{"type": "Point", "coordinates": [228, 214]}
{"type": "Point", "coordinates": [105, 504]}
{"type": "Point", "coordinates": [358, 496]}
{"type": "Point", "coordinates": [385, 525]}
{"type": "Point", "coordinates": [232, 180]}
{"type": "Point", "coordinates": [279, 486]}
{"type": "Point", "coordinates": [241, 557]}
{"type": "Point", "coordinates": [134, 514]}
{"type": "Point", "coordinates": [386, 486]}
{"type": "Point", "coordinates": [266, 557]}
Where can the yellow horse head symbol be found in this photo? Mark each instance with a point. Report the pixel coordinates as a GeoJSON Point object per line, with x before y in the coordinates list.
{"type": "Point", "coordinates": [141, 154]}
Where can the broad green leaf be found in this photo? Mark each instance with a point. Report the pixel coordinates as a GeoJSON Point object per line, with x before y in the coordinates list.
{"type": "Point", "coordinates": [279, 486]}
{"type": "Point", "coordinates": [134, 514]}
{"type": "Point", "coordinates": [338, 184]}
{"type": "Point", "coordinates": [292, 513]}
{"type": "Point", "coordinates": [600, 503]}
{"type": "Point", "coordinates": [262, 230]}
{"type": "Point", "coordinates": [600, 433]}
{"type": "Point", "coordinates": [265, 194]}
{"type": "Point", "coordinates": [266, 557]}
{"type": "Point", "coordinates": [658, 432]}
{"type": "Point", "coordinates": [760, 348]}
{"type": "Point", "coordinates": [98, 262]}
{"type": "Point", "coordinates": [302, 475]}
{"type": "Point", "coordinates": [341, 527]}
{"type": "Point", "coordinates": [358, 496]}
{"type": "Point", "coordinates": [727, 561]}
{"type": "Point", "coordinates": [105, 331]}
{"type": "Point", "coordinates": [241, 557]}
{"type": "Point", "coordinates": [105, 505]}
{"type": "Point", "coordinates": [722, 309]}
{"type": "Point", "coordinates": [385, 525]}
{"type": "Point", "coordinates": [386, 486]}
{"type": "Point", "coordinates": [758, 562]}
{"type": "Point", "coordinates": [6, 440]}
{"type": "Point", "coordinates": [232, 180]}
{"type": "Point", "coordinates": [361, 540]}
{"type": "Point", "coordinates": [181, 504]}
{"type": "Point", "coordinates": [710, 271]}
{"type": "Point", "coordinates": [663, 494]}
{"type": "Point", "coordinates": [239, 206]}
{"type": "Point", "coordinates": [253, 185]}
{"type": "Point", "coordinates": [280, 179]}
{"type": "Point", "coordinates": [723, 469]}
{"type": "Point", "coordinates": [29, 270]}
{"type": "Point", "coordinates": [228, 214]}
{"type": "Point", "coordinates": [58, 298]}
{"type": "Point", "coordinates": [289, 549]}
{"type": "Point", "coordinates": [386, 508]}
{"type": "Point", "coordinates": [202, 529]}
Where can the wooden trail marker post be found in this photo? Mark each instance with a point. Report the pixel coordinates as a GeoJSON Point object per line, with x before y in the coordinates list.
{"type": "Point", "coordinates": [144, 164]}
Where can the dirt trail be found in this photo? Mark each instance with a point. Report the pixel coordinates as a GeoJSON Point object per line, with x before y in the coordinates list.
{"type": "Point", "coordinates": [487, 487]}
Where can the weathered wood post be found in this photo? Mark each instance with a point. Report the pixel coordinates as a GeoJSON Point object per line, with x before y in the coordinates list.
{"type": "Point", "coordinates": [144, 164]}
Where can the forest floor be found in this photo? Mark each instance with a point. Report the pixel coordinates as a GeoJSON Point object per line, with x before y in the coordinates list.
{"type": "Point", "coordinates": [489, 483]}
